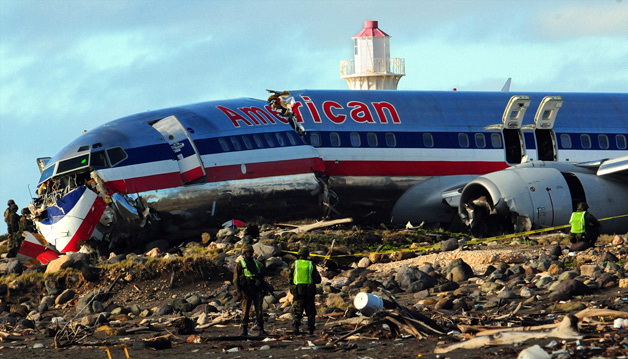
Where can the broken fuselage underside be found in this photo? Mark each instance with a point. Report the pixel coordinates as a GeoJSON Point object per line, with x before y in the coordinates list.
{"type": "Point", "coordinates": [353, 152]}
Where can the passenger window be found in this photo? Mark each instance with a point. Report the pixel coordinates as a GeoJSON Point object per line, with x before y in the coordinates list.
{"type": "Point", "coordinates": [258, 141]}
{"type": "Point", "coordinates": [270, 140]}
{"type": "Point", "coordinates": [496, 140]}
{"type": "Point", "coordinates": [116, 155]}
{"type": "Point", "coordinates": [480, 141]}
{"type": "Point", "coordinates": [224, 145]}
{"type": "Point", "coordinates": [428, 140]}
{"type": "Point", "coordinates": [603, 140]}
{"type": "Point", "coordinates": [463, 140]}
{"type": "Point", "coordinates": [565, 141]}
{"type": "Point", "coordinates": [315, 139]}
{"type": "Point", "coordinates": [247, 142]}
{"type": "Point", "coordinates": [334, 138]}
{"type": "Point", "coordinates": [236, 143]}
{"type": "Point", "coordinates": [391, 141]}
{"type": "Point", "coordinates": [371, 139]}
{"type": "Point", "coordinates": [620, 141]}
{"type": "Point", "coordinates": [355, 139]}
{"type": "Point", "coordinates": [291, 138]}
{"type": "Point", "coordinates": [585, 141]}
{"type": "Point", "coordinates": [280, 139]}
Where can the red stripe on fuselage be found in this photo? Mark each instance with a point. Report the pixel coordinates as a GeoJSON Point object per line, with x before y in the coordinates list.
{"type": "Point", "coordinates": [85, 230]}
{"type": "Point", "coordinates": [219, 174]}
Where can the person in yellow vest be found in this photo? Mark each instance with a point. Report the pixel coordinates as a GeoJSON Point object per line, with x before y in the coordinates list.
{"type": "Point", "coordinates": [248, 279]}
{"type": "Point", "coordinates": [304, 277]}
{"type": "Point", "coordinates": [584, 226]}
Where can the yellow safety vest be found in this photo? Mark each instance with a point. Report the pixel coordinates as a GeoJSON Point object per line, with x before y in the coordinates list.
{"type": "Point", "coordinates": [303, 272]}
{"type": "Point", "coordinates": [246, 271]}
{"type": "Point", "coordinates": [577, 222]}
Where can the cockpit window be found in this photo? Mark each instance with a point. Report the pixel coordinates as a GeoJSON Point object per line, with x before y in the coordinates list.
{"type": "Point", "coordinates": [116, 155]}
{"type": "Point", "coordinates": [99, 159]}
{"type": "Point", "coordinates": [47, 173]}
{"type": "Point", "coordinates": [73, 163]}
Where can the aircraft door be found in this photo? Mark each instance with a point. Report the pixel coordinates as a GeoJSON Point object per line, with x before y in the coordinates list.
{"type": "Point", "coordinates": [511, 128]}
{"type": "Point", "coordinates": [544, 128]}
{"type": "Point", "coordinates": [188, 158]}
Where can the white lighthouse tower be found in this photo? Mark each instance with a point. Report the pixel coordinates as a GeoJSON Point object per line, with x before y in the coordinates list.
{"type": "Point", "coordinates": [371, 67]}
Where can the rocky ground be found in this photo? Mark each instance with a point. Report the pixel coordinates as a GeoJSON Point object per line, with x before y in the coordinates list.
{"type": "Point", "coordinates": [178, 302]}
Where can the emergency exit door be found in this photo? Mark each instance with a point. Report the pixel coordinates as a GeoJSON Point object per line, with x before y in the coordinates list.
{"type": "Point", "coordinates": [190, 164]}
{"type": "Point", "coordinates": [544, 128]}
{"type": "Point", "coordinates": [511, 128]}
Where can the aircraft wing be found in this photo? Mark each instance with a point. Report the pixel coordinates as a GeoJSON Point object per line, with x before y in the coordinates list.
{"type": "Point", "coordinates": [618, 165]}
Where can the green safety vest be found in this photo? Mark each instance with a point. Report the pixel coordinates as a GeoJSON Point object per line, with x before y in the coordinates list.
{"type": "Point", "coordinates": [247, 272]}
{"type": "Point", "coordinates": [577, 222]}
{"type": "Point", "coordinates": [303, 272]}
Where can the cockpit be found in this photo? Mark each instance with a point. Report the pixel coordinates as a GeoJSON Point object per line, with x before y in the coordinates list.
{"type": "Point", "coordinates": [86, 160]}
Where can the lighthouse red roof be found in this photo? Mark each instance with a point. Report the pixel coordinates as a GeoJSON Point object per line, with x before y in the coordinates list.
{"type": "Point", "coordinates": [370, 30]}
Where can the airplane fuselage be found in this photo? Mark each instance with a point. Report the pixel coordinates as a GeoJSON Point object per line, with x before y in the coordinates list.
{"type": "Point", "coordinates": [366, 146]}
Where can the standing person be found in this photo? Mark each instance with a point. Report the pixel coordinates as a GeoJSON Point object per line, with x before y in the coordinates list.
{"type": "Point", "coordinates": [584, 226]}
{"type": "Point", "coordinates": [26, 224]}
{"type": "Point", "coordinates": [304, 278]}
{"type": "Point", "coordinates": [12, 220]}
{"type": "Point", "coordinates": [248, 279]}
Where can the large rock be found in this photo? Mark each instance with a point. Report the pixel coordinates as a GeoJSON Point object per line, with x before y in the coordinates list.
{"type": "Point", "coordinates": [413, 280]}
{"type": "Point", "coordinates": [336, 301]}
{"type": "Point", "coordinates": [449, 245]}
{"type": "Point", "coordinates": [566, 289]}
{"type": "Point", "coordinates": [65, 297]}
{"type": "Point", "coordinates": [58, 264]}
{"type": "Point", "coordinates": [458, 271]}
{"type": "Point", "coordinates": [264, 251]}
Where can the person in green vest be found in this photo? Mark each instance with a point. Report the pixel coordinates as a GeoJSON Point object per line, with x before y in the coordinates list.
{"type": "Point", "coordinates": [248, 279]}
{"type": "Point", "coordinates": [584, 226]}
{"type": "Point", "coordinates": [303, 279]}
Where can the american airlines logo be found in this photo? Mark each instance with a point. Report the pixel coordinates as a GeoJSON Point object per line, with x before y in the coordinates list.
{"type": "Point", "coordinates": [357, 111]}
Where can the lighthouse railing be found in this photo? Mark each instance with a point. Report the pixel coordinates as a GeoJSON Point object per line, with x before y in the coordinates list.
{"type": "Point", "coordinates": [392, 66]}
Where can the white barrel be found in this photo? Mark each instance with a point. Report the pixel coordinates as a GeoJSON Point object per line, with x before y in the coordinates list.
{"type": "Point", "coordinates": [368, 303]}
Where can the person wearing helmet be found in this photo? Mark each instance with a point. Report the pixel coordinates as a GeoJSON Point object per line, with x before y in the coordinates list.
{"type": "Point", "coordinates": [12, 220]}
{"type": "Point", "coordinates": [304, 277]}
{"type": "Point", "coordinates": [584, 226]}
{"type": "Point", "coordinates": [248, 279]}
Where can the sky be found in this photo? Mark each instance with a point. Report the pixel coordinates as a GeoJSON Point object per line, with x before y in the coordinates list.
{"type": "Point", "coordinates": [69, 66]}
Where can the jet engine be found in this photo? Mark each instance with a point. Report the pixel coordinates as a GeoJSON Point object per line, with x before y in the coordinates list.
{"type": "Point", "coordinates": [540, 195]}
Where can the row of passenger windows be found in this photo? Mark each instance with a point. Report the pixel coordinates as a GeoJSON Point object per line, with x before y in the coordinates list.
{"type": "Point", "coordinates": [266, 140]}
{"type": "Point", "coordinates": [585, 141]}
{"type": "Point", "coordinates": [280, 139]}
{"type": "Point", "coordinates": [390, 140]}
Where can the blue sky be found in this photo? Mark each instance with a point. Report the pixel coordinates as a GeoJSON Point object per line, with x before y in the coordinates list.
{"type": "Point", "coordinates": [68, 66]}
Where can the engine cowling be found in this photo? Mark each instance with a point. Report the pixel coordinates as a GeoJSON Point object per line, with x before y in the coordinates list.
{"type": "Point", "coordinates": [540, 195]}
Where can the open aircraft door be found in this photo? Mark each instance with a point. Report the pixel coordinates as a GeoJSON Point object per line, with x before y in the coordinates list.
{"type": "Point", "coordinates": [511, 128]}
{"type": "Point", "coordinates": [188, 158]}
{"type": "Point", "coordinates": [544, 128]}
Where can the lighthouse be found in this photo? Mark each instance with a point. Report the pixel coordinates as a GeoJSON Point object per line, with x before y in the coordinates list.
{"type": "Point", "coordinates": [371, 67]}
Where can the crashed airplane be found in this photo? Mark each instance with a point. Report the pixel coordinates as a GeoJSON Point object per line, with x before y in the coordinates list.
{"type": "Point", "coordinates": [443, 155]}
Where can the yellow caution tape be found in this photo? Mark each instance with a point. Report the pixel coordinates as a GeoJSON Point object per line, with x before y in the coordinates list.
{"type": "Point", "coordinates": [437, 245]}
